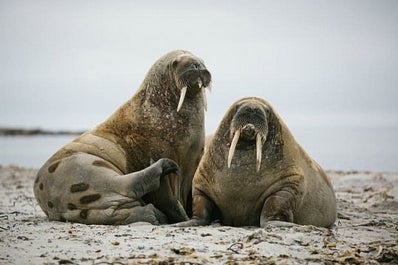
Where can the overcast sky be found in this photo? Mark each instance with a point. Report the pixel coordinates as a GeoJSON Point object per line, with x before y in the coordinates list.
{"type": "Point", "coordinates": [70, 64]}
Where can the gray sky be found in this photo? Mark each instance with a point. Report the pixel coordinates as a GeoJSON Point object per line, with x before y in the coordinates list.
{"type": "Point", "coordinates": [70, 64]}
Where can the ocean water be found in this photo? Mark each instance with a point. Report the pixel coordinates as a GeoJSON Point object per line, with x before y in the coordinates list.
{"type": "Point", "coordinates": [352, 148]}
{"type": "Point", "coordinates": [30, 151]}
{"type": "Point", "coordinates": [340, 148]}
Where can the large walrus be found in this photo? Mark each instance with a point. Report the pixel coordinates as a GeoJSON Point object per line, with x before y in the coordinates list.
{"type": "Point", "coordinates": [253, 171]}
{"type": "Point", "coordinates": [138, 165]}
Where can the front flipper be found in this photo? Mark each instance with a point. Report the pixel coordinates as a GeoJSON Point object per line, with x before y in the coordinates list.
{"type": "Point", "coordinates": [202, 210]}
{"type": "Point", "coordinates": [175, 211]}
{"type": "Point", "coordinates": [280, 206]}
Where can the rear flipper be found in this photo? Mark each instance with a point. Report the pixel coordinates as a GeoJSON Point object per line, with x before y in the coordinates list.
{"type": "Point", "coordinates": [140, 183]}
{"type": "Point", "coordinates": [87, 189]}
{"type": "Point", "coordinates": [147, 213]}
{"type": "Point", "coordinates": [151, 179]}
{"type": "Point", "coordinates": [175, 211]}
{"type": "Point", "coordinates": [160, 190]}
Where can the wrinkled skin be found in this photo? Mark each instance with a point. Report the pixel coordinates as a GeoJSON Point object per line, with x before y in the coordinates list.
{"type": "Point", "coordinates": [254, 172]}
{"type": "Point", "coordinates": [138, 165]}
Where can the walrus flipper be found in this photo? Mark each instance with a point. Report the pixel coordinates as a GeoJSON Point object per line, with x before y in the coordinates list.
{"type": "Point", "coordinates": [278, 207]}
{"type": "Point", "coordinates": [120, 216]}
{"type": "Point", "coordinates": [203, 211]}
{"type": "Point", "coordinates": [97, 194]}
{"type": "Point", "coordinates": [147, 180]}
{"type": "Point", "coordinates": [176, 213]}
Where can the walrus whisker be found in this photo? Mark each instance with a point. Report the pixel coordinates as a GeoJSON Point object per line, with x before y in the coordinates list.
{"type": "Point", "coordinates": [209, 87]}
{"type": "Point", "coordinates": [259, 147]}
{"type": "Point", "coordinates": [233, 146]}
{"type": "Point", "coordinates": [182, 97]}
{"type": "Point", "coordinates": [203, 90]}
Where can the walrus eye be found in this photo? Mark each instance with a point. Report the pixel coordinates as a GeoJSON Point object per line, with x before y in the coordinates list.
{"type": "Point", "coordinates": [174, 63]}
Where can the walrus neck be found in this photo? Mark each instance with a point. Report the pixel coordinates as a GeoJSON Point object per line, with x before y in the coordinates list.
{"type": "Point", "coordinates": [166, 89]}
{"type": "Point", "coordinates": [147, 118]}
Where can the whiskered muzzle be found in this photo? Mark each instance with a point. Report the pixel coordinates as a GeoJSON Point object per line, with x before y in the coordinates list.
{"type": "Point", "coordinates": [194, 81]}
{"type": "Point", "coordinates": [202, 92]}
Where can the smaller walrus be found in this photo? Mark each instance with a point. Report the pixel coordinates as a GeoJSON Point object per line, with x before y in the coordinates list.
{"type": "Point", "coordinates": [138, 165]}
{"type": "Point", "coordinates": [253, 171]}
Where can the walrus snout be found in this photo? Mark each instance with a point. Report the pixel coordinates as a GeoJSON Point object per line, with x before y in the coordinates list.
{"type": "Point", "coordinates": [248, 132]}
{"type": "Point", "coordinates": [193, 78]}
{"type": "Point", "coordinates": [249, 124]}
{"type": "Point", "coordinates": [251, 119]}
{"type": "Point", "coordinates": [196, 77]}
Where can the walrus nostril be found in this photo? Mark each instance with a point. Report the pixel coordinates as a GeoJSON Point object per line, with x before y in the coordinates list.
{"type": "Point", "coordinates": [248, 127]}
{"type": "Point", "coordinates": [249, 131]}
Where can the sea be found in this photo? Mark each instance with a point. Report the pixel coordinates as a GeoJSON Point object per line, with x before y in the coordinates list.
{"type": "Point", "coordinates": [340, 148]}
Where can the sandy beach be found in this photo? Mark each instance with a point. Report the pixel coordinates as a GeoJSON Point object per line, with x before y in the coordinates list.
{"type": "Point", "coordinates": [365, 233]}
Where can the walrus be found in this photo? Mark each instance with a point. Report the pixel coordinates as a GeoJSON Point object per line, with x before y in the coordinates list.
{"type": "Point", "coordinates": [253, 172]}
{"type": "Point", "coordinates": [138, 165]}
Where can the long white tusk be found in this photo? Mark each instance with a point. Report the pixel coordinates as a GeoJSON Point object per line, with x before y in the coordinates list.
{"type": "Point", "coordinates": [200, 84]}
{"type": "Point", "coordinates": [182, 97]}
{"type": "Point", "coordinates": [204, 98]}
{"type": "Point", "coordinates": [259, 149]}
{"type": "Point", "coordinates": [232, 147]}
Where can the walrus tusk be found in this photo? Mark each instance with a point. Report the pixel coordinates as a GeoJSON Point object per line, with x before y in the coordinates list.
{"type": "Point", "coordinates": [204, 98]}
{"type": "Point", "coordinates": [203, 90]}
{"type": "Point", "coordinates": [259, 147]}
{"type": "Point", "coordinates": [233, 146]}
{"type": "Point", "coordinates": [182, 97]}
{"type": "Point", "coordinates": [204, 95]}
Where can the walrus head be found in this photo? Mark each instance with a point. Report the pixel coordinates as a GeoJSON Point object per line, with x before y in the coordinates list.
{"type": "Point", "coordinates": [191, 77]}
{"type": "Point", "coordinates": [249, 125]}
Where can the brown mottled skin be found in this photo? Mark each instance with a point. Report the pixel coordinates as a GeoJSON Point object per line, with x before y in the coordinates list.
{"type": "Point", "coordinates": [289, 186]}
{"type": "Point", "coordinates": [138, 164]}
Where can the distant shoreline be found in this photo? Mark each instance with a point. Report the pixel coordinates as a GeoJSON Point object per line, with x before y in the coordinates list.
{"type": "Point", "coordinates": [35, 131]}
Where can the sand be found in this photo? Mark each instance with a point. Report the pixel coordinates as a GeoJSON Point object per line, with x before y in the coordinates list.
{"type": "Point", "coordinates": [365, 233]}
